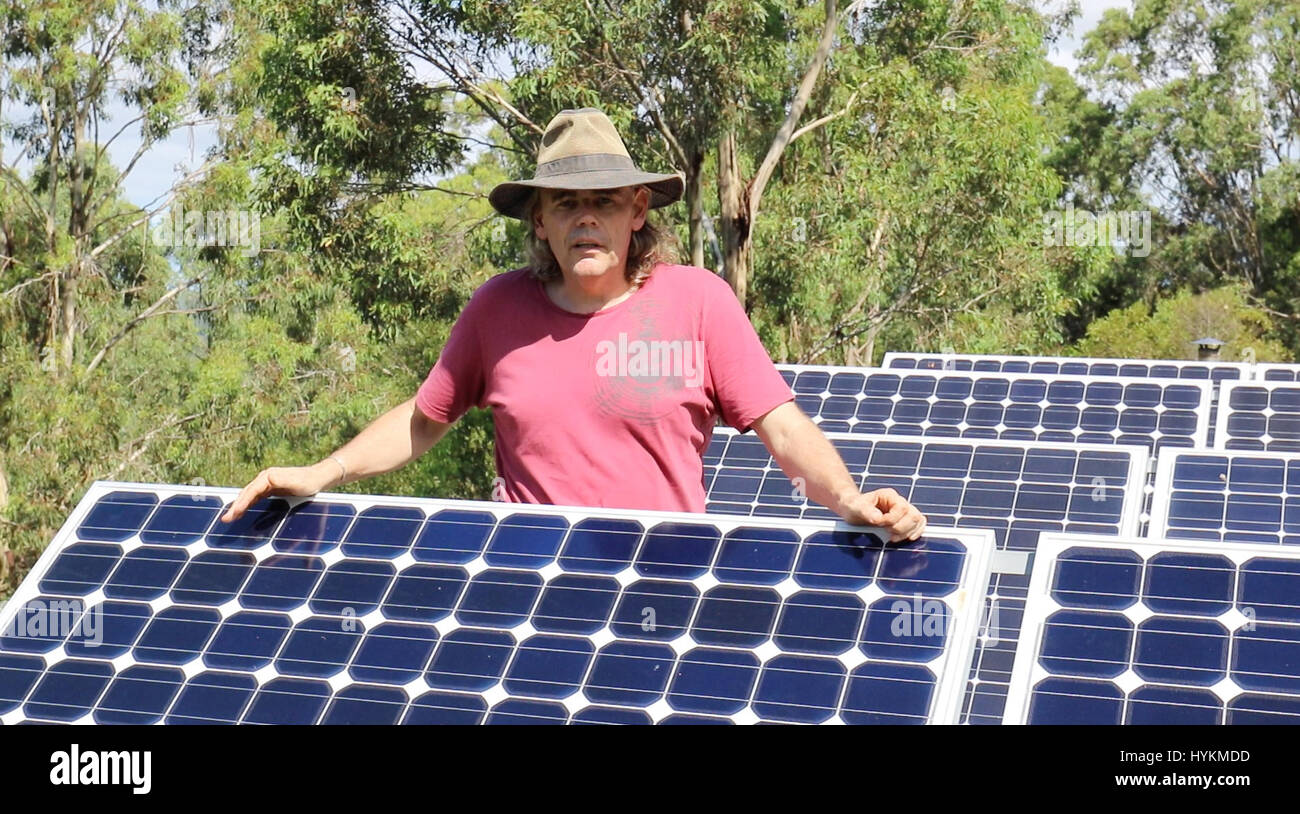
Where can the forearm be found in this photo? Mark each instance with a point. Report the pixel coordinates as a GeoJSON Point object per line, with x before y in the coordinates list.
{"type": "Point", "coordinates": [391, 441]}
{"type": "Point", "coordinates": [807, 457]}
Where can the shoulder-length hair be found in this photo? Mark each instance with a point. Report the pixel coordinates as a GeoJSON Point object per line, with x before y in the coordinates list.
{"type": "Point", "coordinates": [650, 245]}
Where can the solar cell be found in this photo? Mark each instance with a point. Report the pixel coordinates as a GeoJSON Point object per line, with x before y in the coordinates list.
{"type": "Point", "coordinates": [1070, 365]}
{"type": "Point", "coordinates": [1151, 412]}
{"type": "Point", "coordinates": [1259, 415]}
{"type": "Point", "coordinates": [1158, 631]}
{"type": "Point", "coordinates": [362, 609]}
{"type": "Point", "coordinates": [1238, 497]}
{"type": "Point", "coordinates": [1014, 488]}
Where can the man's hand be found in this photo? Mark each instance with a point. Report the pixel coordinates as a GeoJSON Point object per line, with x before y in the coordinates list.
{"type": "Point", "coordinates": [284, 480]}
{"type": "Point", "coordinates": [802, 450]}
{"type": "Point", "coordinates": [884, 508]}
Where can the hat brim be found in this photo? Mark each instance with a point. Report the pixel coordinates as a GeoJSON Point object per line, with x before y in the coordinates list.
{"type": "Point", "coordinates": [511, 198]}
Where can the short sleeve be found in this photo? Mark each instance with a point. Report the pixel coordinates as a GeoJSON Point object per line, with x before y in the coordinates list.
{"type": "Point", "coordinates": [456, 382]}
{"type": "Point", "coordinates": [745, 382]}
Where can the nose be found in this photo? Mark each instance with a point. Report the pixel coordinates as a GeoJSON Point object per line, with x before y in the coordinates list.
{"type": "Point", "coordinates": [586, 215]}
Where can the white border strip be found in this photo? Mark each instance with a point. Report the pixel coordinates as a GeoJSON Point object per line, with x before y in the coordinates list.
{"type": "Point", "coordinates": [1039, 604]}
{"type": "Point", "coordinates": [967, 601]}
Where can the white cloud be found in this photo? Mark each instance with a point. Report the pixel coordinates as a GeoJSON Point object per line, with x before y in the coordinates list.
{"type": "Point", "coordinates": [1062, 51]}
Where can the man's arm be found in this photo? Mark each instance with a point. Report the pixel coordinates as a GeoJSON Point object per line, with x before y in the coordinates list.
{"type": "Point", "coordinates": [391, 441]}
{"type": "Point", "coordinates": [802, 451]}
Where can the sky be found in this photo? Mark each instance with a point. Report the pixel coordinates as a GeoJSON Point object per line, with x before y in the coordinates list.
{"type": "Point", "coordinates": [183, 151]}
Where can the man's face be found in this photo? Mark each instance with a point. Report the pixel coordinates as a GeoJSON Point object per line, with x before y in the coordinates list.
{"type": "Point", "coordinates": [590, 230]}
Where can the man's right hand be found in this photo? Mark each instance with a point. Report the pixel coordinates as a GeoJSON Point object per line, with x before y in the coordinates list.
{"type": "Point", "coordinates": [284, 480]}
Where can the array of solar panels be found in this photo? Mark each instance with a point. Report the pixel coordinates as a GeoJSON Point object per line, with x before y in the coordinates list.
{"type": "Point", "coordinates": [147, 609]}
{"type": "Point", "coordinates": [373, 610]}
{"type": "Point", "coordinates": [1206, 487]}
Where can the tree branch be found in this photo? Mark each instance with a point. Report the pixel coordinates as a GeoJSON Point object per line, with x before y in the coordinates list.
{"type": "Point", "coordinates": [151, 311]}
{"type": "Point", "coordinates": [827, 119]}
{"type": "Point", "coordinates": [797, 105]}
{"type": "Point", "coordinates": [144, 440]}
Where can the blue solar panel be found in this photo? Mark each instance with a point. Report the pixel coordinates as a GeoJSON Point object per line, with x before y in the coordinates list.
{"type": "Point", "coordinates": [1235, 497]}
{"type": "Point", "coordinates": [350, 609]}
{"type": "Point", "coordinates": [1016, 489]}
{"type": "Point", "coordinates": [1277, 372]}
{"type": "Point", "coordinates": [1069, 365]}
{"type": "Point", "coordinates": [1159, 632]}
{"type": "Point", "coordinates": [1259, 415]}
{"type": "Point", "coordinates": [1154, 413]}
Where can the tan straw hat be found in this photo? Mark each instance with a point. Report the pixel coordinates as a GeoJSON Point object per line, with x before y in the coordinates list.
{"type": "Point", "coordinates": [582, 150]}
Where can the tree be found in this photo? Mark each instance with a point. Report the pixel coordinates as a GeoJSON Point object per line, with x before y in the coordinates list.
{"type": "Point", "coordinates": [1195, 119]}
{"type": "Point", "coordinates": [66, 63]}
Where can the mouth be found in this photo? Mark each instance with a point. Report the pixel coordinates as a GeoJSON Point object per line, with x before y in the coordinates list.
{"type": "Point", "coordinates": [586, 245]}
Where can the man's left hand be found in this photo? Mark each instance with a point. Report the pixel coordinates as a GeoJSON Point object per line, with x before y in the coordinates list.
{"type": "Point", "coordinates": [885, 509]}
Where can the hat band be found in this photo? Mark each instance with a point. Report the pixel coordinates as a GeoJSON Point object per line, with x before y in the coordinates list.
{"type": "Point", "coordinates": [593, 162]}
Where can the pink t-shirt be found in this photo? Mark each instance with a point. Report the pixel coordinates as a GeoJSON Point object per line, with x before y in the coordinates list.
{"type": "Point", "coordinates": [611, 409]}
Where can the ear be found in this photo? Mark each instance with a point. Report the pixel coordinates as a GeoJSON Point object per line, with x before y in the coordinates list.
{"type": "Point", "coordinates": [538, 228]}
{"type": "Point", "coordinates": [641, 206]}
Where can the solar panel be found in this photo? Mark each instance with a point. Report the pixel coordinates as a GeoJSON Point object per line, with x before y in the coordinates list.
{"type": "Point", "coordinates": [1016, 489]}
{"type": "Point", "coordinates": [1259, 415]}
{"type": "Point", "coordinates": [1069, 365]}
{"type": "Point", "coordinates": [360, 609]}
{"type": "Point", "coordinates": [1159, 632]}
{"type": "Point", "coordinates": [1154, 413]}
{"type": "Point", "coordinates": [1277, 372]}
{"type": "Point", "coordinates": [1236, 497]}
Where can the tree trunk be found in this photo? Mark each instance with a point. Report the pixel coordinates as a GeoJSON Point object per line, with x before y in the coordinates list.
{"type": "Point", "coordinates": [867, 349]}
{"type": "Point", "coordinates": [732, 195]}
{"type": "Point", "coordinates": [696, 207]}
{"type": "Point", "coordinates": [69, 316]}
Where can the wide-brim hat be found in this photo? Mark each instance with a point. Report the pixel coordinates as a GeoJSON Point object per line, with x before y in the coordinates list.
{"type": "Point", "coordinates": [581, 150]}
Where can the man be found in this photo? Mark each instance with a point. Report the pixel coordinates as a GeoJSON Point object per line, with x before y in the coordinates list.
{"type": "Point", "coordinates": [604, 366]}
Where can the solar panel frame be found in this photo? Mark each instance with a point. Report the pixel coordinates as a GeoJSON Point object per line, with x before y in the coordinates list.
{"type": "Point", "coordinates": [1225, 439]}
{"type": "Point", "coordinates": [1027, 673]}
{"type": "Point", "coordinates": [950, 667]}
{"type": "Point", "coordinates": [1201, 412]}
{"type": "Point", "coordinates": [1167, 493]}
{"type": "Point", "coordinates": [998, 363]}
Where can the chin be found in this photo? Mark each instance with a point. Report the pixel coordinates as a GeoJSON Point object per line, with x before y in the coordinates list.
{"type": "Point", "coordinates": [590, 267]}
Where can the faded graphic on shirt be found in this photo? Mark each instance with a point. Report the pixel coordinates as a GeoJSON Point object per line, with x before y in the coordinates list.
{"type": "Point", "coordinates": [642, 374]}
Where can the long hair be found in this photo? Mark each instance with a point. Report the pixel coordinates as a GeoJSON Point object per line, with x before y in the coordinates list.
{"type": "Point", "coordinates": [650, 245]}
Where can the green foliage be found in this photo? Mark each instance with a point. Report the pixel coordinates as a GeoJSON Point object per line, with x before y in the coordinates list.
{"type": "Point", "coordinates": [1223, 313]}
{"type": "Point", "coordinates": [1192, 118]}
{"type": "Point", "coordinates": [915, 221]}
